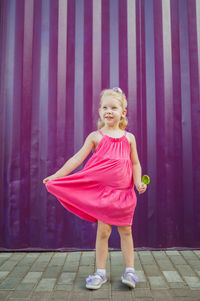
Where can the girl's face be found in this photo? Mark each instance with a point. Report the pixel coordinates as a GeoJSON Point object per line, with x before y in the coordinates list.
{"type": "Point", "coordinates": [111, 111]}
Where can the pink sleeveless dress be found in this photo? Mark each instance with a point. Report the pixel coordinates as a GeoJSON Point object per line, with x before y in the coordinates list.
{"type": "Point", "coordinates": [104, 189]}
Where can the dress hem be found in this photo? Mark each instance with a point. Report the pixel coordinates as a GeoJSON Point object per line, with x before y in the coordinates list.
{"type": "Point", "coordinates": [92, 217]}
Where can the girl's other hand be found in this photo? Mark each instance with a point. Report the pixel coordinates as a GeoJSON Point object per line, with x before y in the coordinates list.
{"type": "Point", "coordinates": [141, 187]}
{"type": "Point", "coordinates": [53, 177]}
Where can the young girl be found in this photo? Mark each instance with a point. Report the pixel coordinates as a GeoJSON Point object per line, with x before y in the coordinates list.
{"type": "Point", "coordinates": [103, 191]}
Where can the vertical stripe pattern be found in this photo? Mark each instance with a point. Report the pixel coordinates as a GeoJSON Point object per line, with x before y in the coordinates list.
{"type": "Point", "coordinates": [55, 58]}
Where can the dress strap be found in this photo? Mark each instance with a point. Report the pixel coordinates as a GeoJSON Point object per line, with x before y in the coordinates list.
{"type": "Point", "coordinates": [101, 132]}
{"type": "Point", "coordinates": [125, 133]}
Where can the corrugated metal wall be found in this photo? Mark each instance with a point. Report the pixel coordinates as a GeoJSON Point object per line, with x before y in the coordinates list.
{"type": "Point", "coordinates": [56, 56]}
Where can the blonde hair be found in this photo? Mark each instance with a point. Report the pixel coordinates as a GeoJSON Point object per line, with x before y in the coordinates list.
{"type": "Point", "coordinates": [121, 97]}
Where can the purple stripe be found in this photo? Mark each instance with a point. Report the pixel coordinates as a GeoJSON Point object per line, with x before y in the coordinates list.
{"type": "Point", "coordinates": [25, 17]}
{"type": "Point", "coordinates": [87, 110]}
{"type": "Point", "coordinates": [123, 46]}
{"type": "Point", "coordinates": [177, 156]}
{"type": "Point", "coordinates": [198, 34]}
{"type": "Point", "coordinates": [195, 111]}
{"type": "Point", "coordinates": [59, 25]}
{"type": "Point", "coordinates": [11, 203]}
{"type": "Point", "coordinates": [160, 125]}
{"type": "Point", "coordinates": [151, 121]}
{"type": "Point", "coordinates": [36, 217]}
{"type": "Point", "coordinates": [78, 84]}
{"type": "Point", "coordinates": [96, 60]}
{"type": "Point", "coordinates": [3, 28]}
{"type": "Point", "coordinates": [186, 122]}
{"type": "Point", "coordinates": [43, 104]}
{"type": "Point", "coordinates": [114, 44]}
{"type": "Point", "coordinates": [132, 79]}
{"type": "Point", "coordinates": [169, 118]}
{"type": "Point", "coordinates": [105, 50]}
{"type": "Point", "coordinates": [70, 70]}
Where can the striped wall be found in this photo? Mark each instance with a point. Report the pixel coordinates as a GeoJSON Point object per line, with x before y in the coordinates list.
{"type": "Point", "coordinates": [55, 58]}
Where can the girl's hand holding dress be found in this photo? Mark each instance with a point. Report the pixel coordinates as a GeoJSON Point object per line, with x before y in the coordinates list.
{"type": "Point", "coordinates": [141, 187]}
{"type": "Point", "coordinates": [50, 178]}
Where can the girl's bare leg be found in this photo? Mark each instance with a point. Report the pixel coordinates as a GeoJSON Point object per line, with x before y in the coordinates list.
{"type": "Point", "coordinates": [127, 247]}
{"type": "Point", "coordinates": [103, 234]}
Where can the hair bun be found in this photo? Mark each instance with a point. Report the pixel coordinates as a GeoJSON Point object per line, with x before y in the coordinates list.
{"type": "Point", "coordinates": [117, 89]}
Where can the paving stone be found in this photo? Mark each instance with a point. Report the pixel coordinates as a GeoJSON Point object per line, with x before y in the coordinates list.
{"type": "Point", "coordinates": [162, 294]}
{"type": "Point", "coordinates": [143, 299]}
{"type": "Point", "coordinates": [85, 271]}
{"type": "Point", "coordinates": [142, 292]}
{"type": "Point", "coordinates": [87, 258]}
{"type": "Point", "coordinates": [181, 292]}
{"type": "Point", "coordinates": [177, 285]}
{"type": "Point", "coordinates": [177, 259]}
{"type": "Point", "coordinates": [147, 259]}
{"type": "Point", "coordinates": [80, 296]}
{"type": "Point", "coordinates": [20, 294]}
{"type": "Point", "coordinates": [195, 264]}
{"type": "Point", "coordinates": [73, 257]}
{"type": "Point", "coordinates": [80, 284]}
{"type": "Point", "coordinates": [151, 270]}
{"type": "Point", "coordinates": [188, 254]}
{"type": "Point", "coordinates": [63, 287]}
{"type": "Point", "coordinates": [32, 277]}
{"type": "Point", "coordinates": [165, 264]}
{"type": "Point", "coordinates": [159, 254]}
{"type": "Point", "coordinates": [70, 267]}
{"type": "Point", "coordinates": [143, 285]}
{"type": "Point", "coordinates": [17, 299]}
{"type": "Point", "coordinates": [66, 278]}
{"type": "Point", "coordinates": [172, 276]}
{"type": "Point", "coordinates": [52, 271]}
{"type": "Point", "coordinates": [185, 299]}
{"type": "Point", "coordinates": [9, 283]}
{"type": "Point", "coordinates": [46, 284]}
{"type": "Point", "coordinates": [58, 296]}
{"type": "Point", "coordinates": [41, 262]}
{"type": "Point", "coordinates": [197, 252]}
{"type": "Point", "coordinates": [5, 255]}
{"type": "Point", "coordinates": [157, 282]}
{"type": "Point", "coordinates": [103, 294]}
{"type": "Point", "coordinates": [25, 286]}
{"type": "Point", "coordinates": [39, 296]}
{"type": "Point", "coordinates": [172, 252]}
{"type": "Point", "coordinates": [4, 294]}
{"type": "Point", "coordinates": [193, 282]}
{"type": "Point", "coordinates": [19, 271]}
{"type": "Point", "coordinates": [125, 295]}
{"type": "Point", "coordinates": [185, 270]}
{"type": "Point", "coordinates": [117, 285]}
{"type": "Point", "coordinates": [138, 266]}
{"type": "Point", "coordinates": [3, 274]}
{"type": "Point", "coordinates": [141, 276]}
{"type": "Point", "coordinates": [61, 276]}
{"type": "Point", "coordinates": [145, 252]}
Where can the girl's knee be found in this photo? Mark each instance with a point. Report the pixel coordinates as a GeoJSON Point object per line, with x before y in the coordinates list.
{"type": "Point", "coordinates": [124, 230]}
{"type": "Point", "coordinates": [104, 230]}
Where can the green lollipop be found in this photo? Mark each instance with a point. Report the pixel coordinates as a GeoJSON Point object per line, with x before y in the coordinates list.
{"type": "Point", "coordinates": [145, 179]}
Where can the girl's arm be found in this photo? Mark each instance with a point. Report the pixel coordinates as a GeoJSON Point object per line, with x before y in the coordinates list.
{"type": "Point", "coordinates": [76, 160]}
{"type": "Point", "coordinates": [137, 170]}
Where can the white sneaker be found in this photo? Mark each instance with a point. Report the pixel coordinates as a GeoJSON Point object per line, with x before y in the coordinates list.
{"type": "Point", "coordinates": [130, 279]}
{"type": "Point", "coordinates": [95, 281]}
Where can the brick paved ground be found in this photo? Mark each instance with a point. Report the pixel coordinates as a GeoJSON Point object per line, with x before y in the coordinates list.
{"type": "Point", "coordinates": [163, 275]}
